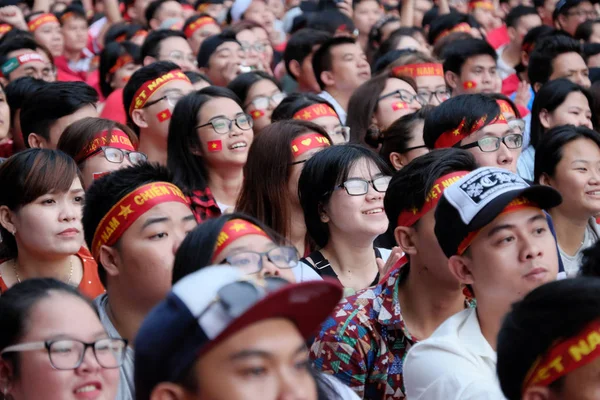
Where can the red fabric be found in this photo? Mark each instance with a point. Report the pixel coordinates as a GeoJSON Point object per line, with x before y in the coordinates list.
{"type": "Point", "coordinates": [93, 79]}
{"type": "Point", "coordinates": [65, 73]}
{"type": "Point", "coordinates": [114, 108]}
{"type": "Point", "coordinates": [6, 149]}
{"type": "Point", "coordinates": [280, 47]}
{"type": "Point", "coordinates": [522, 110]}
{"type": "Point", "coordinates": [510, 85]}
{"type": "Point", "coordinates": [498, 37]}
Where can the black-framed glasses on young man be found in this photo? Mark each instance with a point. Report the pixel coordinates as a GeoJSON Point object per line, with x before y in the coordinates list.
{"type": "Point", "coordinates": [223, 125]}
{"type": "Point", "coordinates": [490, 144]}
{"type": "Point", "coordinates": [66, 354]}
{"type": "Point", "coordinates": [114, 155]}
{"type": "Point", "coordinates": [171, 98]}
{"type": "Point", "coordinates": [405, 96]}
{"type": "Point", "coordinates": [517, 126]}
{"type": "Point", "coordinates": [251, 262]}
{"type": "Point", "coordinates": [359, 186]}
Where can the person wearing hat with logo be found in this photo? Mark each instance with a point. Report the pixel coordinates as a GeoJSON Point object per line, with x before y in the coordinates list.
{"type": "Point", "coordinates": [224, 335]}
{"type": "Point", "coordinates": [364, 341]}
{"type": "Point", "coordinates": [540, 359]}
{"type": "Point", "coordinates": [134, 221]}
{"type": "Point", "coordinates": [492, 227]}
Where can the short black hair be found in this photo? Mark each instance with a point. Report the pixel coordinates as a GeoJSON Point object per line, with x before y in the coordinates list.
{"type": "Point", "coordinates": [322, 59]}
{"type": "Point", "coordinates": [591, 49]}
{"type": "Point", "coordinates": [18, 90]}
{"type": "Point", "coordinates": [321, 174]}
{"type": "Point", "coordinates": [52, 102]}
{"type": "Point", "coordinates": [75, 9]}
{"type": "Point", "coordinates": [194, 77]}
{"type": "Point", "coordinates": [449, 115]}
{"type": "Point", "coordinates": [331, 21]}
{"type": "Point", "coordinates": [17, 43]}
{"type": "Point", "coordinates": [294, 103]}
{"type": "Point", "coordinates": [242, 83]}
{"type": "Point", "coordinates": [457, 53]}
{"type": "Point", "coordinates": [196, 250]}
{"type": "Point", "coordinates": [514, 15]}
{"type": "Point", "coordinates": [397, 136]}
{"type": "Point", "coordinates": [545, 51]}
{"type": "Point", "coordinates": [139, 77]}
{"type": "Point", "coordinates": [152, 9]}
{"type": "Point", "coordinates": [549, 98]}
{"type": "Point", "coordinates": [151, 46]}
{"type": "Point", "coordinates": [391, 43]}
{"type": "Point", "coordinates": [300, 45]}
{"type": "Point", "coordinates": [530, 329]}
{"type": "Point", "coordinates": [108, 58]}
{"type": "Point", "coordinates": [549, 150]}
{"type": "Point", "coordinates": [108, 190]}
{"type": "Point", "coordinates": [590, 262]}
{"type": "Point", "coordinates": [446, 22]}
{"type": "Point", "coordinates": [410, 186]}
{"type": "Point", "coordinates": [381, 62]}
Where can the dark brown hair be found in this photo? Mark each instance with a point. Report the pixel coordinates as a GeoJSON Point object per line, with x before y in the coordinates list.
{"type": "Point", "coordinates": [244, 25]}
{"type": "Point", "coordinates": [264, 193]}
{"type": "Point", "coordinates": [28, 175]}
{"type": "Point", "coordinates": [81, 133]}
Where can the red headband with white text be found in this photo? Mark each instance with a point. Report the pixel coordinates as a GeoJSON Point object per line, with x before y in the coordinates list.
{"type": "Point", "coordinates": [233, 230]}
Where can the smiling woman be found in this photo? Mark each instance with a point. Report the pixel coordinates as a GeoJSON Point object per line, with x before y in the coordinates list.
{"type": "Point", "coordinates": [40, 222]}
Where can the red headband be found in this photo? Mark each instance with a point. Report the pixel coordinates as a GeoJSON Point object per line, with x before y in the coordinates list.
{"type": "Point", "coordinates": [118, 140]}
{"type": "Point", "coordinates": [121, 62]}
{"type": "Point", "coordinates": [565, 356]}
{"type": "Point", "coordinates": [486, 5]}
{"type": "Point", "coordinates": [197, 24]}
{"type": "Point", "coordinates": [5, 28]}
{"type": "Point", "coordinates": [410, 217]}
{"type": "Point", "coordinates": [127, 210]}
{"type": "Point", "coordinates": [416, 70]}
{"type": "Point", "coordinates": [450, 138]}
{"type": "Point", "coordinates": [520, 203]}
{"type": "Point", "coordinates": [41, 20]}
{"type": "Point", "coordinates": [315, 111]}
{"type": "Point", "coordinates": [307, 142]}
{"type": "Point", "coordinates": [462, 27]}
{"type": "Point", "coordinates": [66, 16]}
{"type": "Point", "coordinates": [145, 92]}
{"type": "Point", "coordinates": [505, 106]}
{"type": "Point", "coordinates": [233, 230]}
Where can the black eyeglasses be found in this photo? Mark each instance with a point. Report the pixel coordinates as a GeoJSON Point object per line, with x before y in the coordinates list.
{"type": "Point", "coordinates": [490, 144]}
{"type": "Point", "coordinates": [359, 187]}
{"type": "Point", "coordinates": [405, 96]}
{"type": "Point", "coordinates": [415, 148]}
{"type": "Point", "coordinates": [172, 99]}
{"type": "Point", "coordinates": [251, 262]}
{"type": "Point", "coordinates": [223, 125]}
{"type": "Point", "coordinates": [66, 354]}
{"type": "Point", "coordinates": [117, 156]}
{"type": "Point", "coordinates": [441, 95]}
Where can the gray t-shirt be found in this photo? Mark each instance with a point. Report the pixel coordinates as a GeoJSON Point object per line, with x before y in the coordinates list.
{"type": "Point", "coordinates": [126, 386]}
{"type": "Point", "coordinates": [573, 263]}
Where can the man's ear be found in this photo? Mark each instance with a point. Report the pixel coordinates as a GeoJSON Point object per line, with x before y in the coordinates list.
{"type": "Point", "coordinates": [36, 141]}
{"type": "Point", "coordinates": [7, 377]}
{"type": "Point", "coordinates": [404, 236]}
{"type": "Point", "coordinates": [110, 259]}
{"type": "Point", "coordinates": [512, 32]}
{"type": "Point", "coordinates": [545, 180]}
{"type": "Point", "coordinates": [295, 69]}
{"type": "Point", "coordinates": [460, 269]}
{"type": "Point", "coordinates": [139, 118]}
{"type": "Point", "coordinates": [537, 393]}
{"type": "Point", "coordinates": [327, 78]}
{"type": "Point", "coordinates": [167, 391]}
{"type": "Point", "coordinates": [452, 80]}
{"type": "Point", "coordinates": [560, 21]}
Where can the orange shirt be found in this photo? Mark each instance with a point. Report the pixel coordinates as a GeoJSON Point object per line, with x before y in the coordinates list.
{"type": "Point", "coordinates": [90, 284]}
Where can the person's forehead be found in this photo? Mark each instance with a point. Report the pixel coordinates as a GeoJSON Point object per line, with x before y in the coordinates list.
{"type": "Point", "coordinates": [481, 60]}
{"type": "Point", "coordinates": [171, 5]}
{"type": "Point", "coordinates": [246, 35]}
{"type": "Point", "coordinates": [430, 82]}
{"type": "Point", "coordinates": [21, 52]}
{"type": "Point", "coordinates": [176, 86]}
{"type": "Point", "coordinates": [346, 48]}
{"type": "Point", "coordinates": [174, 43]}
{"type": "Point", "coordinates": [568, 61]}
{"type": "Point", "coordinates": [233, 46]}
{"type": "Point", "coordinates": [518, 219]}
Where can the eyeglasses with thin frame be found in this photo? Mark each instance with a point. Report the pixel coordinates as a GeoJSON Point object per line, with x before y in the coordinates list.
{"type": "Point", "coordinates": [589, 14]}
{"type": "Point", "coordinates": [258, 47]}
{"type": "Point", "coordinates": [251, 262]}
{"type": "Point", "coordinates": [178, 56]}
{"type": "Point", "coordinates": [405, 96]}
{"type": "Point", "coordinates": [489, 144]}
{"type": "Point", "coordinates": [67, 354]}
{"type": "Point", "coordinates": [342, 130]}
{"type": "Point", "coordinates": [360, 187]}
{"type": "Point", "coordinates": [117, 156]}
{"type": "Point", "coordinates": [171, 98]}
{"type": "Point", "coordinates": [517, 126]}
{"type": "Point", "coordinates": [223, 125]}
{"type": "Point", "coordinates": [441, 95]}
{"type": "Point", "coordinates": [262, 102]}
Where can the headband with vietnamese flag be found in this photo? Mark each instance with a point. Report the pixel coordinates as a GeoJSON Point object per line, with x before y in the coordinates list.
{"type": "Point", "coordinates": [408, 218]}
{"type": "Point", "coordinates": [482, 4]}
{"type": "Point", "coordinates": [454, 136]}
{"type": "Point", "coordinates": [505, 107]}
{"type": "Point", "coordinates": [115, 138]}
{"type": "Point", "coordinates": [132, 206]}
{"type": "Point", "coordinates": [304, 143]}
{"type": "Point", "coordinates": [233, 230]}
{"type": "Point", "coordinates": [565, 356]}
{"type": "Point", "coordinates": [315, 111]}
{"type": "Point", "coordinates": [145, 92]}
{"type": "Point", "coordinates": [462, 27]}
{"type": "Point", "coordinates": [15, 62]}
{"type": "Point", "coordinates": [4, 28]}
{"type": "Point", "coordinates": [197, 24]}
{"type": "Point", "coordinates": [40, 20]}
{"type": "Point", "coordinates": [122, 61]}
{"type": "Point", "coordinates": [417, 70]}
{"type": "Point", "coordinates": [520, 203]}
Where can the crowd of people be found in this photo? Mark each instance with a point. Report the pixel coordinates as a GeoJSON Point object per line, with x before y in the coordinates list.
{"type": "Point", "coordinates": [299, 199]}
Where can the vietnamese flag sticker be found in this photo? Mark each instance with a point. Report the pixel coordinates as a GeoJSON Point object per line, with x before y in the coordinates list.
{"type": "Point", "coordinates": [399, 106]}
{"type": "Point", "coordinates": [214, 145]}
{"type": "Point", "coordinates": [469, 85]}
{"type": "Point", "coordinates": [256, 114]}
{"type": "Point", "coordinates": [164, 115]}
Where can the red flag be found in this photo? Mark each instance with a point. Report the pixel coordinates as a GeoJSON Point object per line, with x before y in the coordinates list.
{"type": "Point", "coordinates": [164, 115]}
{"type": "Point", "coordinates": [256, 114]}
{"type": "Point", "coordinates": [399, 106]}
{"type": "Point", "coordinates": [469, 85]}
{"type": "Point", "coordinates": [214, 145]}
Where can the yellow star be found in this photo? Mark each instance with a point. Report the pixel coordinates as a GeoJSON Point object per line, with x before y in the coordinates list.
{"type": "Point", "coordinates": [125, 211]}
{"type": "Point", "coordinates": [456, 132]}
{"type": "Point", "coordinates": [414, 210]}
{"type": "Point", "coordinates": [306, 115]}
{"type": "Point", "coordinates": [239, 227]}
{"type": "Point", "coordinates": [214, 146]}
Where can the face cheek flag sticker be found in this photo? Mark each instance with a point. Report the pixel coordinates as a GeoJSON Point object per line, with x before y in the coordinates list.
{"type": "Point", "coordinates": [399, 106]}
{"type": "Point", "coordinates": [98, 175]}
{"type": "Point", "coordinates": [256, 114]}
{"type": "Point", "coordinates": [469, 85]}
{"type": "Point", "coordinates": [164, 115]}
{"type": "Point", "coordinates": [215, 145]}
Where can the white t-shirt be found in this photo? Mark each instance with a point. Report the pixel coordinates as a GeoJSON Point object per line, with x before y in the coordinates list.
{"type": "Point", "coordinates": [503, 69]}
{"type": "Point", "coordinates": [455, 363]}
{"type": "Point", "coordinates": [336, 106]}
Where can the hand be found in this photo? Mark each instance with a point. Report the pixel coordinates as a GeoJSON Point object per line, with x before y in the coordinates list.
{"type": "Point", "coordinates": [345, 7]}
{"type": "Point", "coordinates": [523, 94]}
{"type": "Point", "coordinates": [13, 15]}
{"type": "Point", "coordinates": [386, 267]}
